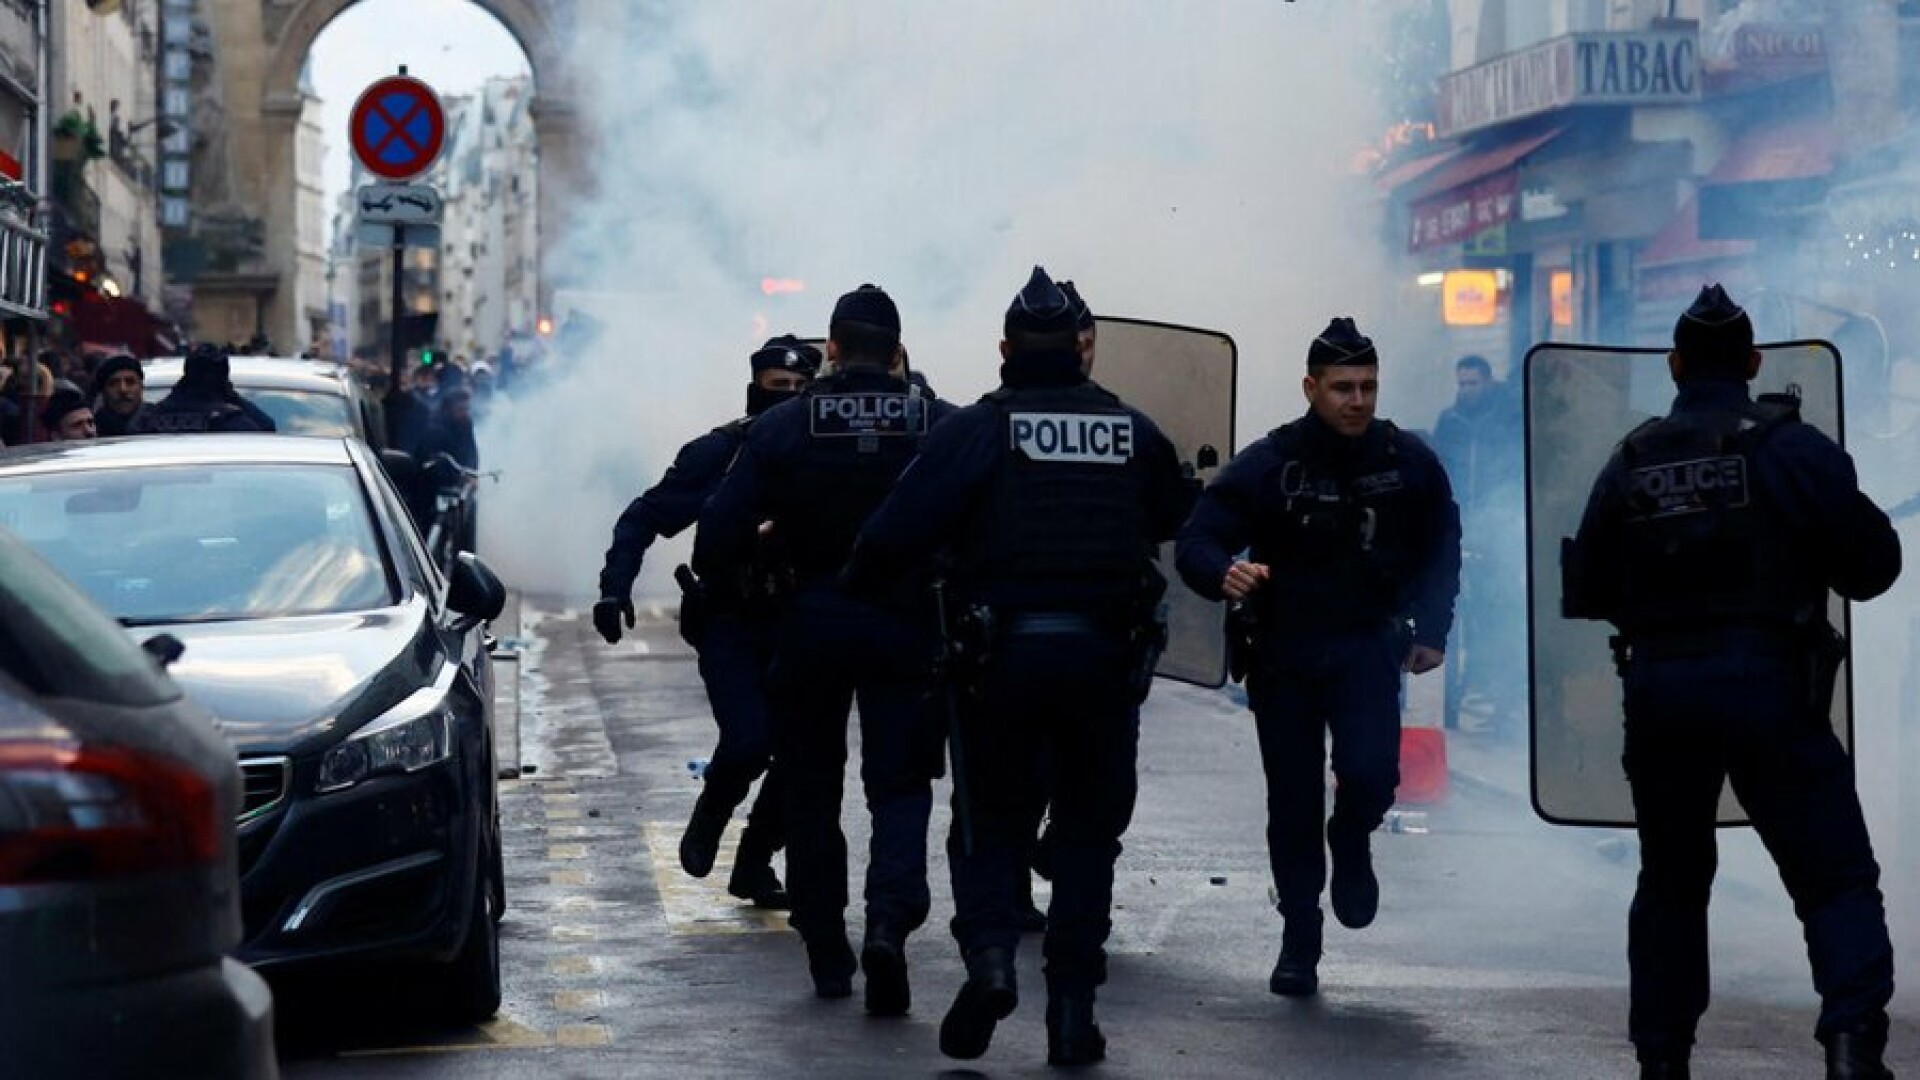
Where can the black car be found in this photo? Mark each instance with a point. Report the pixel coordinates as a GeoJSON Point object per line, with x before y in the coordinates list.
{"type": "Point", "coordinates": [353, 679]}
{"type": "Point", "coordinates": [119, 898]}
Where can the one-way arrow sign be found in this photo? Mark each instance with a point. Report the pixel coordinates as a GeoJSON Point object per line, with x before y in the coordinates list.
{"type": "Point", "coordinates": [399, 204]}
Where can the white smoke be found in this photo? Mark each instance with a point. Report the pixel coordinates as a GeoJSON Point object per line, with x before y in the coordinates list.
{"type": "Point", "coordinates": [1184, 164]}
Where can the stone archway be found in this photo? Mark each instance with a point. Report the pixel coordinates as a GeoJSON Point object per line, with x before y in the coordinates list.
{"type": "Point", "coordinates": [260, 48]}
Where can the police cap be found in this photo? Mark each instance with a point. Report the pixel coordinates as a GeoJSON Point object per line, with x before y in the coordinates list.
{"type": "Point", "coordinates": [1083, 313]}
{"type": "Point", "coordinates": [206, 363]}
{"type": "Point", "coordinates": [868, 304]}
{"type": "Point", "coordinates": [1714, 328]}
{"type": "Point", "coordinates": [786, 353]}
{"type": "Point", "coordinates": [1342, 343]}
{"type": "Point", "coordinates": [1042, 308]}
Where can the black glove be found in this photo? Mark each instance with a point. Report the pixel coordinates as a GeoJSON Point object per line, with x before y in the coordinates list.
{"type": "Point", "coordinates": [607, 614]}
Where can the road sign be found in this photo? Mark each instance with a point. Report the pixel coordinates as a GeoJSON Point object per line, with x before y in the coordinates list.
{"type": "Point", "coordinates": [399, 204]}
{"type": "Point", "coordinates": [371, 234]}
{"type": "Point", "coordinates": [397, 127]}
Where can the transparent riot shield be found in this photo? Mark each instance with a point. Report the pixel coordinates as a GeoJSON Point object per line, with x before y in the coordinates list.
{"type": "Point", "coordinates": [1580, 401]}
{"type": "Point", "coordinates": [1183, 379]}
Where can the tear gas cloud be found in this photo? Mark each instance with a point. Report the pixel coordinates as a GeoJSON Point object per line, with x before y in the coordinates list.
{"type": "Point", "coordinates": [1182, 168]}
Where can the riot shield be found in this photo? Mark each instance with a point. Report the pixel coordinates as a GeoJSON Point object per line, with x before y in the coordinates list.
{"type": "Point", "coordinates": [1580, 401]}
{"type": "Point", "coordinates": [1183, 379]}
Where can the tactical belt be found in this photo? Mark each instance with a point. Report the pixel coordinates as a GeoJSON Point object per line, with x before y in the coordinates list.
{"type": "Point", "coordinates": [1708, 641]}
{"type": "Point", "coordinates": [1054, 622]}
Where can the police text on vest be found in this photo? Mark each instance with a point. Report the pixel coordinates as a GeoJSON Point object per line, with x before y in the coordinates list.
{"type": "Point", "coordinates": [1073, 437]}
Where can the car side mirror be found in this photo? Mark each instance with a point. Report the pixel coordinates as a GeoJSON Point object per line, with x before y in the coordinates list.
{"type": "Point", "coordinates": [164, 648]}
{"type": "Point", "coordinates": [473, 590]}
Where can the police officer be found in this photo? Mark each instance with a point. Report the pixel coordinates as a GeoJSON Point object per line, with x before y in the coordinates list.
{"type": "Point", "coordinates": [731, 632]}
{"type": "Point", "coordinates": [203, 400]}
{"type": "Point", "coordinates": [809, 473]}
{"type": "Point", "coordinates": [1720, 593]}
{"type": "Point", "coordinates": [1050, 494]}
{"type": "Point", "coordinates": [1354, 564]}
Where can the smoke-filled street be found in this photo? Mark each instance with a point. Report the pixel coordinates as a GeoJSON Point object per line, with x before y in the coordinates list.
{"type": "Point", "coordinates": [1498, 952]}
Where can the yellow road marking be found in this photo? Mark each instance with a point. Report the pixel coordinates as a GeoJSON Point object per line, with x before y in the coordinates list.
{"type": "Point", "coordinates": [563, 815]}
{"type": "Point", "coordinates": [568, 878]}
{"type": "Point", "coordinates": [567, 832]}
{"type": "Point", "coordinates": [567, 851]}
{"type": "Point", "coordinates": [567, 966]}
{"type": "Point", "coordinates": [573, 933]}
{"type": "Point", "coordinates": [563, 797]}
{"type": "Point", "coordinates": [580, 1036]}
{"type": "Point", "coordinates": [702, 905]}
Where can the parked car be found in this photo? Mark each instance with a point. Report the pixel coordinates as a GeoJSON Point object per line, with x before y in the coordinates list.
{"type": "Point", "coordinates": [304, 397]}
{"type": "Point", "coordinates": [119, 888]}
{"type": "Point", "coordinates": [353, 679]}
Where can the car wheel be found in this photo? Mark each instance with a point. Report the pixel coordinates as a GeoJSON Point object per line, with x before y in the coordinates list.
{"type": "Point", "coordinates": [467, 988]}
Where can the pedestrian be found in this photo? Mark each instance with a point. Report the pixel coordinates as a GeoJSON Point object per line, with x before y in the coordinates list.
{"type": "Point", "coordinates": [1048, 497]}
{"type": "Point", "coordinates": [730, 623]}
{"type": "Point", "coordinates": [1481, 441]}
{"type": "Point", "coordinates": [67, 416]}
{"type": "Point", "coordinates": [1354, 560]}
{"type": "Point", "coordinates": [122, 388]}
{"type": "Point", "coordinates": [203, 400]}
{"type": "Point", "coordinates": [1720, 595]}
{"type": "Point", "coordinates": [811, 470]}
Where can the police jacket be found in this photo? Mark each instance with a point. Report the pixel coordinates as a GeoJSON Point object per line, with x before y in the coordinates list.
{"type": "Point", "coordinates": [1726, 513]}
{"type": "Point", "coordinates": [1355, 531]}
{"type": "Point", "coordinates": [815, 467]}
{"type": "Point", "coordinates": [671, 505]}
{"type": "Point", "coordinates": [190, 407]}
{"type": "Point", "coordinates": [1047, 495]}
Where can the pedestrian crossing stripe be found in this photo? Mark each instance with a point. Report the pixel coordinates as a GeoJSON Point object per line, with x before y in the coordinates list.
{"type": "Point", "coordinates": [702, 905]}
{"type": "Point", "coordinates": [500, 1033]}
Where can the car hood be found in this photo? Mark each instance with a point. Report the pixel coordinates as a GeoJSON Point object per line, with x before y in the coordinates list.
{"type": "Point", "coordinates": [292, 684]}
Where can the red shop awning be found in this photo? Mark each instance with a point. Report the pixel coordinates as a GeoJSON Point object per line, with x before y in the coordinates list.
{"type": "Point", "coordinates": [1772, 173]}
{"type": "Point", "coordinates": [1479, 164]}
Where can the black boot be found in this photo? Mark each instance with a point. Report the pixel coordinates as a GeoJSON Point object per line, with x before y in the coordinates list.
{"type": "Point", "coordinates": [1296, 973]}
{"type": "Point", "coordinates": [1073, 1039]}
{"type": "Point", "coordinates": [701, 842]}
{"type": "Point", "coordinates": [1355, 891]}
{"type": "Point", "coordinates": [1665, 1069]}
{"type": "Point", "coordinates": [830, 960]}
{"type": "Point", "coordinates": [1857, 1055]}
{"type": "Point", "coordinates": [884, 958]}
{"type": "Point", "coordinates": [986, 998]}
{"type": "Point", "coordinates": [753, 879]}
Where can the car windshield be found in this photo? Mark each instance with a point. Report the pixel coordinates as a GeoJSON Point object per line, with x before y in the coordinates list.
{"type": "Point", "coordinates": [295, 412]}
{"type": "Point", "coordinates": [205, 542]}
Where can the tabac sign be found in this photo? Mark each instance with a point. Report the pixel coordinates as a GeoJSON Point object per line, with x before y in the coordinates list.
{"type": "Point", "coordinates": [1653, 67]}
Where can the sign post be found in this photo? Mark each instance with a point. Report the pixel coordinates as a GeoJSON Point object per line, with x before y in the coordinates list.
{"type": "Point", "coordinates": [398, 129]}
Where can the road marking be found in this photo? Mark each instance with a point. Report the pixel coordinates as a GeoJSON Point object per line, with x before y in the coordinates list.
{"type": "Point", "coordinates": [578, 1001]}
{"type": "Point", "coordinates": [560, 798]}
{"type": "Point", "coordinates": [567, 832]}
{"type": "Point", "coordinates": [563, 815]}
{"type": "Point", "coordinates": [567, 851]}
{"type": "Point", "coordinates": [568, 878]}
{"type": "Point", "coordinates": [564, 932]}
{"type": "Point", "coordinates": [701, 905]}
{"type": "Point", "coordinates": [500, 1033]}
{"type": "Point", "coordinates": [573, 966]}
{"type": "Point", "coordinates": [580, 1036]}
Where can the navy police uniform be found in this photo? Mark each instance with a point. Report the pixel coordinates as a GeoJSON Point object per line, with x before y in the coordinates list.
{"type": "Point", "coordinates": [733, 638]}
{"type": "Point", "coordinates": [1711, 540]}
{"type": "Point", "coordinates": [203, 400]}
{"type": "Point", "coordinates": [1362, 541]}
{"type": "Point", "coordinates": [811, 470]}
{"type": "Point", "coordinates": [1048, 497]}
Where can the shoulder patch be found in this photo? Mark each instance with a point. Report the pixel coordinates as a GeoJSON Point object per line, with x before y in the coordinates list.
{"type": "Point", "coordinates": [866, 414]}
{"type": "Point", "coordinates": [1072, 438]}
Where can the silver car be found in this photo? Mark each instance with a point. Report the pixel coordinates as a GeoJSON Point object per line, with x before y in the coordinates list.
{"type": "Point", "coordinates": [119, 889]}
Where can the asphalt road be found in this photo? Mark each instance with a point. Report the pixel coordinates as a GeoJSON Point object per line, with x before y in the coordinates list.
{"type": "Point", "coordinates": [1499, 950]}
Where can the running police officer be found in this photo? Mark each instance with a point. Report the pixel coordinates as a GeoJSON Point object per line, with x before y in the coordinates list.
{"type": "Point", "coordinates": [1720, 592]}
{"type": "Point", "coordinates": [1354, 564]}
{"type": "Point", "coordinates": [809, 473]}
{"type": "Point", "coordinates": [1050, 496]}
{"type": "Point", "coordinates": [727, 623]}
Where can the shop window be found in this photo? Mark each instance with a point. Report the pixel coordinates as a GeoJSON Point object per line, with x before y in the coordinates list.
{"type": "Point", "coordinates": [1560, 298]}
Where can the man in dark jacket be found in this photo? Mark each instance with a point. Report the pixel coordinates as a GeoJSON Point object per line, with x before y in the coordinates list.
{"type": "Point", "coordinates": [1719, 591]}
{"type": "Point", "coordinates": [121, 385]}
{"type": "Point", "coordinates": [203, 400]}
{"type": "Point", "coordinates": [1354, 562]}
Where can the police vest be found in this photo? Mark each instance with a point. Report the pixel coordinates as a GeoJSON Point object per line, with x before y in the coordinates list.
{"type": "Point", "coordinates": [1702, 542]}
{"type": "Point", "coordinates": [190, 418]}
{"type": "Point", "coordinates": [862, 430]}
{"type": "Point", "coordinates": [1336, 524]}
{"type": "Point", "coordinates": [1066, 514]}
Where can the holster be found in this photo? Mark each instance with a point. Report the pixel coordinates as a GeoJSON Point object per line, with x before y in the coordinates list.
{"type": "Point", "coordinates": [696, 607]}
{"type": "Point", "coordinates": [1826, 651]}
{"type": "Point", "coordinates": [1243, 640]}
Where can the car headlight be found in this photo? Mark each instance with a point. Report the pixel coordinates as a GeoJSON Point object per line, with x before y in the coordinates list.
{"type": "Point", "coordinates": [412, 735]}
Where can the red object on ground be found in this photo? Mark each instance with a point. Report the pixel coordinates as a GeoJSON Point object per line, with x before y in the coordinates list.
{"type": "Point", "coordinates": [1423, 766]}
